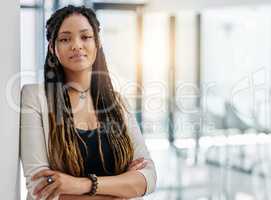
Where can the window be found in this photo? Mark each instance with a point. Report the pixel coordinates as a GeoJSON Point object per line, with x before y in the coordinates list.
{"type": "Point", "coordinates": [118, 35]}
{"type": "Point", "coordinates": [155, 74]}
{"type": "Point", "coordinates": [236, 48]}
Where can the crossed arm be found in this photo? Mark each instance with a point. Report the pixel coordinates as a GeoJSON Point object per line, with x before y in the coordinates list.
{"type": "Point", "coordinates": [110, 187]}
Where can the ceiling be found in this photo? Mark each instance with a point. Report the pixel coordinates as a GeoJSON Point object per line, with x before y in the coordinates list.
{"type": "Point", "coordinates": [179, 5]}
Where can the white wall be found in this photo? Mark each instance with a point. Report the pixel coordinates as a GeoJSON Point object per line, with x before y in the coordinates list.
{"type": "Point", "coordinates": [9, 117]}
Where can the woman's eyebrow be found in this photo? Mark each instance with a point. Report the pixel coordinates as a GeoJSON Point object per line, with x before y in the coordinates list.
{"type": "Point", "coordinates": [85, 30]}
{"type": "Point", "coordinates": [65, 32]}
{"type": "Point", "coordinates": [68, 32]}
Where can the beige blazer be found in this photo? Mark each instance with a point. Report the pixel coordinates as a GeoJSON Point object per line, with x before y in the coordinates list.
{"type": "Point", "coordinates": [34, 130]}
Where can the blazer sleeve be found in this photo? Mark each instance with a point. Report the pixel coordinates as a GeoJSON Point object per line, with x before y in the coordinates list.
{"type": "Point", "coordinates": [32, 138]}
{"type": "Point", "coordinates": [141, 150]}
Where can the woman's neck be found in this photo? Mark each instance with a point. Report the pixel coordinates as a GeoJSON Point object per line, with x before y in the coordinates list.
{"type": "Point", "coordinates": [78, 80]}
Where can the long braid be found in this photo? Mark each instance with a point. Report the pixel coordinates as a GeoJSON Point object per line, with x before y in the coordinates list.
{"type": "Point", "coordinates": [64, 151]}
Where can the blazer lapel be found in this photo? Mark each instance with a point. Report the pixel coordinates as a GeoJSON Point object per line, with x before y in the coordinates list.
{"type": "Point", "coordinates": [44, 114]}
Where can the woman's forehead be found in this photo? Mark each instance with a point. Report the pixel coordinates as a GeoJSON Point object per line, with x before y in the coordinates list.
{"type": "Point", "coordinates": [75, 23]}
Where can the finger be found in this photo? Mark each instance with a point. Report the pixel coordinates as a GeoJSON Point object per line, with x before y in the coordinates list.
{"type": "Point", "coordinates": [42, 185]}
{"type": "Point", "coordinates": [139, 165]}
{"type": "Point", "coordinates": [134, 167]}
{"type": "Point", "coordinates": [53, 194]}
{"type": "Point", "coordinates": [135, 162]}
{"type": "Point", "coordinates": [142, 166]}
{"type": "Point", "coordinates": [49, 190]}
{"type": "Point", "coordinates": [42, 173]}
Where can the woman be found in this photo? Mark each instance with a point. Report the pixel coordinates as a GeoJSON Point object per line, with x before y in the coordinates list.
{"type": "Point", "coordinates": [78, 141]}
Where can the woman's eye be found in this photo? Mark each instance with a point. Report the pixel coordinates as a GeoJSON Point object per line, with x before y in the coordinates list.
{"type": "Point", "coordinates": [64, 40]}
{"type": "Point", "coordinates": [86, 37]}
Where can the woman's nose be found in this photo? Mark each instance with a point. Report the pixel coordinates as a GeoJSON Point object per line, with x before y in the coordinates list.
{"type": "Point", "coordinates": [76, 44]}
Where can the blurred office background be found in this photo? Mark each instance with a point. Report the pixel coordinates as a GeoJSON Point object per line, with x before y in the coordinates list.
{"type": "Point", "coordinates": [197, 77]}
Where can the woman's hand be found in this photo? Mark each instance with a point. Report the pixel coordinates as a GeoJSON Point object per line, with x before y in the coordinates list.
{"type": "Point", "coordinates": [86, 197]}
{"type": "Point", "coordinates": [66, 184]}
{"type": "Point", "coordinates": [137, 164]}
{"type": "Point", "coordinates": [111, 198]}
{"type": "Point", "coordinates": [62, 184]}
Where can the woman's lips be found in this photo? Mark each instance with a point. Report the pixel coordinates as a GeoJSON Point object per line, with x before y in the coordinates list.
{"type": "Point", "coordinates": [77, 57]}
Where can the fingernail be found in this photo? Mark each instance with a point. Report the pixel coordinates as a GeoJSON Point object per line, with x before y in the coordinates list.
{"type": "Point", "coordinates": [139, 165]}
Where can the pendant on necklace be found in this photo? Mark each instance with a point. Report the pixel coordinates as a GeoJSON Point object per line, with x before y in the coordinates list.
{"type": "Point", "coordinates": [82, 95]}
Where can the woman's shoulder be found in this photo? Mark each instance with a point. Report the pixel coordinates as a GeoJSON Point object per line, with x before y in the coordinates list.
{"type": "Point", "coordinates": [33, 89]}
{"type": "Point", "coordinates": [33, 86]}
{"type": "Point", "coordinates": [32, 93]}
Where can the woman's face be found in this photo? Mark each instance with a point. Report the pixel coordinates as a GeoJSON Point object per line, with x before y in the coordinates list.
{"type": "Point", "coordinates": [75, 44]}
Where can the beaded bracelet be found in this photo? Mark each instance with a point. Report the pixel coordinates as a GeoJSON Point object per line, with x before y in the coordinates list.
{"type": "Point", "coordinates": [94, 186]}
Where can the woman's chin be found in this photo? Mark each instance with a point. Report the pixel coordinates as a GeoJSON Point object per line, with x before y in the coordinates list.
{"type": "Point", "coordinates": [78, 68]}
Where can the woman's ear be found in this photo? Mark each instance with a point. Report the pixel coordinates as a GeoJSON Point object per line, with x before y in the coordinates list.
{"type": "Point", "coordinates": [51, 48]}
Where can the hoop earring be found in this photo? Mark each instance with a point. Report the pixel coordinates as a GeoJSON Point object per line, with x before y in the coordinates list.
{"type": "Point", "coordinates": [53, 61]}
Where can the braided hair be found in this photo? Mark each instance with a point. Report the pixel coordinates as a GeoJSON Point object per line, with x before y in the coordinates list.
{"type": "Point", "coordinates": [63, 145]}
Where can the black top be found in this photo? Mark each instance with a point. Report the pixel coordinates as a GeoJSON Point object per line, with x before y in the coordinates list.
{"type": "Point", "coordinates": [92, 161]}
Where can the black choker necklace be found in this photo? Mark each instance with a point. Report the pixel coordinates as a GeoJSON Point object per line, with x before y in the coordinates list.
{"type": "Point", "coordinates": [82, 93]}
